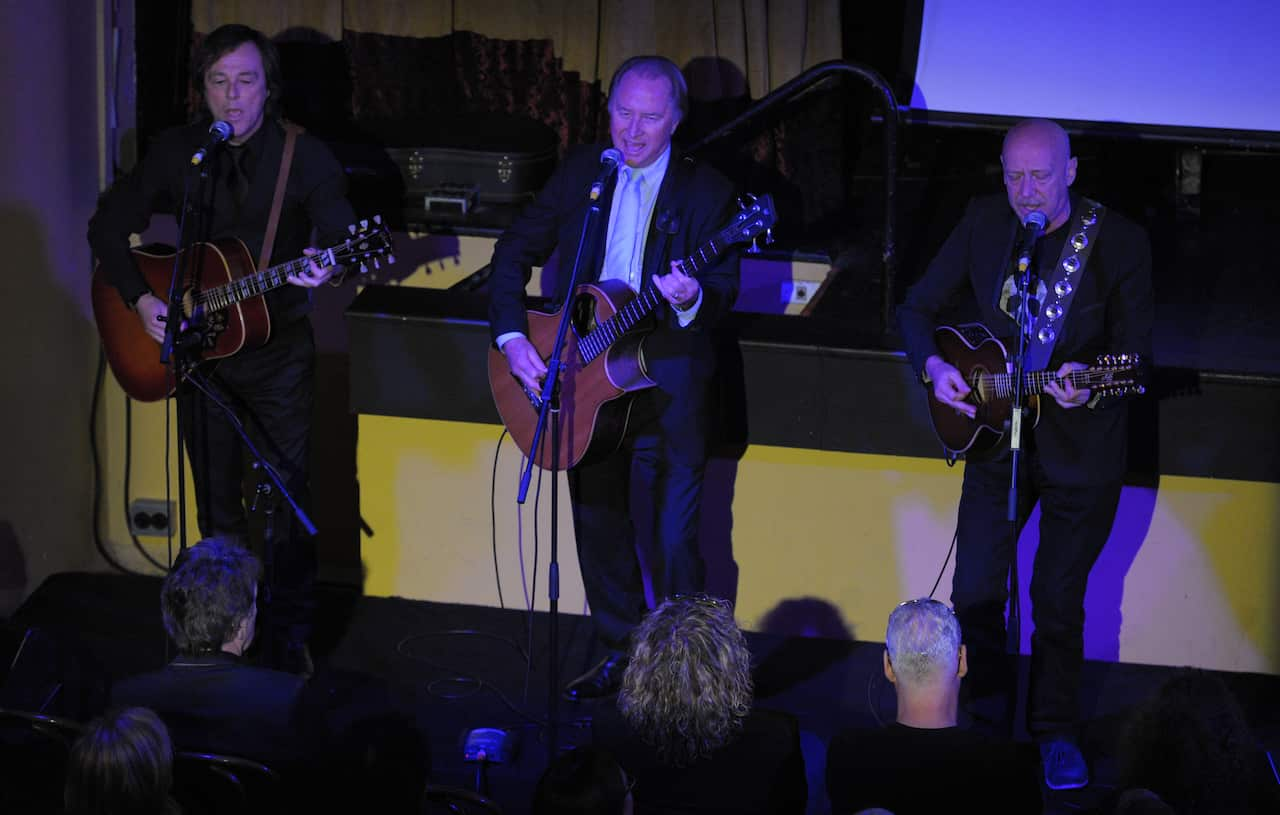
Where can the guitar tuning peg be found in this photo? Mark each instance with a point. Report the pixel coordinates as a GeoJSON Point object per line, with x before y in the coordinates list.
{"type": "Point", "coordinates": [768, 236]}
{"type": "Point", "coordinates": [364, 267]}
{"type": "Point", "coordinates": [754, 248]}
{"type": "Point", "coordinates": [351, 228]}
{"type": "Point", "coordinates": [377, 219]}
{"type": "Point", "coordinates": [364, 223]}
{"type": "Point", "coordinates": [376, 265]}
{"type": "Point", "coordinates": [391, 259]}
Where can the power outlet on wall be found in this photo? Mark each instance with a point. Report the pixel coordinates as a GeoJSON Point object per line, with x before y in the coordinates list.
{"type": "Point", "coordinates": [799, 292]}
{"type": "Point", "coordinates": [150, 516]}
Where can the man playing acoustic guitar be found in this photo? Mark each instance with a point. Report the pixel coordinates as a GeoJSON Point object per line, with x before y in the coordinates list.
{"type": "Point", "coordinates": [1090, 293]}
{"type": "Point", "coordinates": [661, 207]}
{"type": "Point", "coordinates": [237, 72]}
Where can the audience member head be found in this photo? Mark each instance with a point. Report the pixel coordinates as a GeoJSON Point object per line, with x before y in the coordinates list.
{"type": "Point", "coordinates": [123, 762]}
{"type": "Point", "coordinates": [209, 599]}
{"type": "Point", "coordinates": [687, 686]}
{"type": "Point", "coordinates": [925, 661]}
{"type": "Point", "coordinates": [583, 781]}
{"type": "Point", "coordinates": [1189, 744]}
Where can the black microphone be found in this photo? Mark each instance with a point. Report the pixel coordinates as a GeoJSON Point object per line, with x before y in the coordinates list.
{"type": "Point", "coordinates": [219, 132]}
{"type": "Point", "coordinates": [1032, 229]}
{"type": "Point", "coordinates": [609, 161]}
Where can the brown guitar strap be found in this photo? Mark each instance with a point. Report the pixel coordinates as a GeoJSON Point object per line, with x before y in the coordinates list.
{"type": "Point", "coordinates": [1063, 283]}
{"type": "Point", "coordinates": [291, 132]}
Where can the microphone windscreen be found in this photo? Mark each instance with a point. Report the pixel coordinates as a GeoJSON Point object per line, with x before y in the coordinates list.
{"type": "Point", "coordinates": [1037, 218]}
{"type": "Point", "coordinates": [221, 131]}
{"type": "Point", "coordinates": [611, 157]}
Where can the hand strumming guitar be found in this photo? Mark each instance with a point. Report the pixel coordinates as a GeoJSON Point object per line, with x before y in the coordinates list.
{"type": "Point", "coordinates": [949, 386]}
{"type": "Point", "coordinates": [525, 362]}
{"type": "Point", "coordinates": [151, 311]}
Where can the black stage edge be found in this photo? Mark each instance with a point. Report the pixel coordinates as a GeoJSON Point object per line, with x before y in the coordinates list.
{"type": "Point", "coordinates": [421, 353]}
{"type": "Point", "coordinates": [100, 627]}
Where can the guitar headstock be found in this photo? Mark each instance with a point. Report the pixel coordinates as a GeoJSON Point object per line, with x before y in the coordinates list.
{"type": "Point", "coordinates": [755, 217]}
{"type": "Point", "coordinates": [1117, 375]}
{"type": "Point", "coordinates": [369, 241]}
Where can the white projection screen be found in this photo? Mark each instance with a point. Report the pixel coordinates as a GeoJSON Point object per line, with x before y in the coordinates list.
{"type": "Point", "coordinates": [1154, 65]}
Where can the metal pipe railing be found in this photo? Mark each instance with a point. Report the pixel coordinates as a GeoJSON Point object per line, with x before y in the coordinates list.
{"type": "Point", "coordinates": [889, 102]}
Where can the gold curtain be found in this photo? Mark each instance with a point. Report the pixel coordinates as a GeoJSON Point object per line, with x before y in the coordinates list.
{"type": "Point", "coordinates": [728, 49]}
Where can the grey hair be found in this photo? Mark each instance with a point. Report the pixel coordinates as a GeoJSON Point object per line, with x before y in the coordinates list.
{"type": "Point", "coordinates": [923, 640]}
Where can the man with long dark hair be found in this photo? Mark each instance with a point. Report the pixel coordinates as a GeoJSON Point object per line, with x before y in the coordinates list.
{"type": "Point", "coordinates": [237, 73]}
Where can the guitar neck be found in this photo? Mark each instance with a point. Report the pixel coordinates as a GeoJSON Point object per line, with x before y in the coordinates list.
{"type": "Point", "coordinates": [228, 294]}
{"type": "Point", "coordinates": [1035, 381]}
{"type": "Point", "coordinates": [630, 315]}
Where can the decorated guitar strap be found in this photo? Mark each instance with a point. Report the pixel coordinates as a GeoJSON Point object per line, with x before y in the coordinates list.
{"type": "Point", "coordinates": [1063, 283]}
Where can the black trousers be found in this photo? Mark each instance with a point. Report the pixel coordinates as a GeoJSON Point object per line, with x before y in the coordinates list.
{"type": "Point", "coordinates": [271, 389]}
{"type": "Point", "coordinates": [649, 492]}
{"type": "Point", "coordinates": [1075, 522]}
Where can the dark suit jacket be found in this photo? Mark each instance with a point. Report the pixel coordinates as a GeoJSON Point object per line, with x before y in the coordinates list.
{"type": "Point", "coordinates": [1112, 312]}
{"type": "Point", "coordinates": [760, 771]}
{"type": "Point", "coordinates": [680, 360]}
{"type": "Point", "coordinates": [215, 703]}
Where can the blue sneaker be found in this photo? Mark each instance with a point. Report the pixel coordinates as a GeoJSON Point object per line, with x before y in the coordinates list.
{"type": "Point", "coordinates": [1064, 767]}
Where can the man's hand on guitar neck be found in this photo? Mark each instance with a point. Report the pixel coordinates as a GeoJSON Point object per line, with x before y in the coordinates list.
{"type": "Point", "coordinates": [313, 275]}
{"type": "Point", "coordinates": [1063, 392]}
{"type": "Point", "coordinates": [525, 362]}
{"type": "Point", "coordinates": [949, 386]}
{"type": "Point", "coordinates": [151, 311]}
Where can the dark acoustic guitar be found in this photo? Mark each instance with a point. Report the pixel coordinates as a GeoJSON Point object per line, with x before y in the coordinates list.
{"type": "Point", "coordinates": [603, 364]}
{"type": "Point", "coordinates": [984, 363]}
{"type": "Point", "coordinates": [228, 311]}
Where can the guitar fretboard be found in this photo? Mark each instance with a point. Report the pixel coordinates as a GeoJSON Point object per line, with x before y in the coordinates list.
{"type": "Point", "coordinates": [597, 341]}
{"type": "Point", "coordinates": [217, 298]}
{"type": "Point", "coordinates": [1000, 386]}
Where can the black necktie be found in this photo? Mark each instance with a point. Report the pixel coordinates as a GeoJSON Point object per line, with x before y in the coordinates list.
{"type": "Point", "coordinates": [237, 177]}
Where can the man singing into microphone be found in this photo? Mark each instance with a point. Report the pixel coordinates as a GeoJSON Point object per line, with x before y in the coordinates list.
{"type": "Point", "coordinates": [237, 72]}
{"type": "Point", "coordinates": [660, 209]}
{"type": "Point", "coordinates": [1090, 293]}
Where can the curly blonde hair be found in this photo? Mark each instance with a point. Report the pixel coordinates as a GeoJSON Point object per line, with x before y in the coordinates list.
{"type": "Point", "coordinates": [687, 688]}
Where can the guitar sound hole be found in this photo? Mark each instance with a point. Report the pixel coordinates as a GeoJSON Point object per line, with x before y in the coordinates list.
{"type": "Point", "coordinates": [977, 390]}
{"type": "Point", "coordinates": [584, 315]}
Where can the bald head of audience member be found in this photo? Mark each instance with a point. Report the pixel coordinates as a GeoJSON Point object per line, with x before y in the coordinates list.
{"type": "Point", "coordinates": [925, 661]}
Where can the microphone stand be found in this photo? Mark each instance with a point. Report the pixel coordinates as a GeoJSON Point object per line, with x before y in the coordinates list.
{"type": "Point", "coordinates": [550, 404]}
{"type": "Point", "coordinates": [172, 349]}
{"type": "Point", "coordinates": [1025, 321]}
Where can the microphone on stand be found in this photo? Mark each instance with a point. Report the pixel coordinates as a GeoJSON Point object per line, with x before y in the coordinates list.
{"type": "Point", "coordinates": [219, 132]}
{"type": "Point", "coordinates": [1032, 229]}
{"type": "Point", "coordinates": [609, 161]}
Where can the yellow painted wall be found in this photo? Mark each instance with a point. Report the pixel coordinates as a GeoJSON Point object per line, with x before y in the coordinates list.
{"type": "Point", "coordinates": [856, 532]}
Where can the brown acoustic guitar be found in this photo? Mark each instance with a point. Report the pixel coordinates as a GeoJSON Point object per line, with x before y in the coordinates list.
{"type": "Point", "coordinates": [228, 309]}
{"type": "Point", "coordinates": [602, 363]}
{"type": "Point", "coordinates": [984, 363]}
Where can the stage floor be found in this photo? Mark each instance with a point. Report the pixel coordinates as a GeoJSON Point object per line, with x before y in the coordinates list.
{"type": "Point", "coordinates": [454, 667]}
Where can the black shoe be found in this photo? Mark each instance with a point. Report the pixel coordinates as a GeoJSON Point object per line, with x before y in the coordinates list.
{"type": "Point", "coordinates": [295, 658]}
{"type": "Point", "coordinates": [602, 680]}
